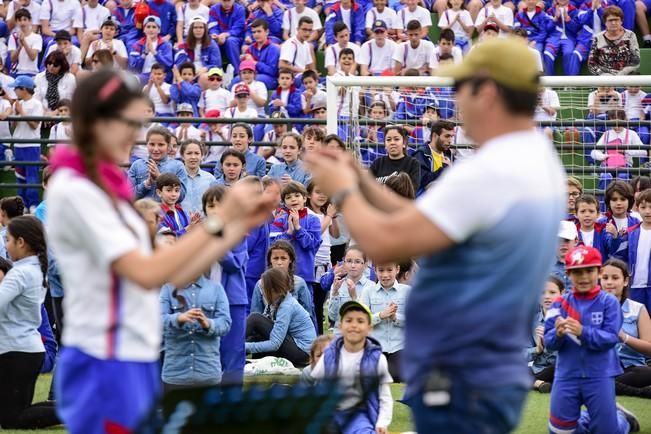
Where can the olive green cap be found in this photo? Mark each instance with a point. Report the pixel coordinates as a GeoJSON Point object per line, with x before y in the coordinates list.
{"type": "Point", "coordinates": [508, 61]}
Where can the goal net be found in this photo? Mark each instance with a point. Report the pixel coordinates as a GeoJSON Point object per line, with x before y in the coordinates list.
{"type": "Point", "coordinates": [599, 125]}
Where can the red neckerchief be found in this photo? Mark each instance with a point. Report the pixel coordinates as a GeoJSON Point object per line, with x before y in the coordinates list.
{"type": "Point", "coordinates": [260, 47]}
{"type": "Point", "coordinates": [167, 210]}
{"type": "Point", "coordinates": [291, 89]}
{"type": "Point", "coordinates": [113, 178]}
{"type": "Point", "coordinates": [589, 295]}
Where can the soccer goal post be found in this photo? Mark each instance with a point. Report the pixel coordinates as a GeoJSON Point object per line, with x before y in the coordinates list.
{"type": "Point", "coordinates": [599, 124]}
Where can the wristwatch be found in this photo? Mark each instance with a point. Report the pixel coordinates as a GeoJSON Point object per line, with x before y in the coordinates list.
{"type": "Point", "coordinates": [214, 226]}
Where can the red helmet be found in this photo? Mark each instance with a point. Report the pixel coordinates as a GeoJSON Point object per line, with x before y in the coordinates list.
{"type": "Point", "coordinates": [582, 257]}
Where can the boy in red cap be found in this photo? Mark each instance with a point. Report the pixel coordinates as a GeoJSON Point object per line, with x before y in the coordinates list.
{"type": "Point", "coordinates": [583, 326]}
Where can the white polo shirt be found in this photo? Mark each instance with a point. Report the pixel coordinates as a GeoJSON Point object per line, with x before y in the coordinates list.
{"type": "Point", "coordinates": [25, 65]}
{"type": "Point", "coordinates": [92, 18]}
{"type": "Point", "coordinates": [410, 57]}
{"type": "Point", "coordinates": [388, 15]}
{"type": "Point", "coordinates": [34, 9]}
{"type": "Point", "coordinates": [332, 54]}
{"type": "Point", "coordinates": [107, 316]}
{"type": "Point", "coordinates": [377, 58]}
{"type": "Point", "coordinates": [504, 14]}
{"type": "Point", "coordinates": [419, 14]}
{"type": "Point", "coordinates": [185, 14]}
{"type": "Point", "coordinates": [61, 13]}
{"type": "Point", "coordinates": [449, 16]}
{"type": "Point", "coordinates": [291, 18]}
{"type": "Point", "coordinates": [296, 53]}
{"type": "Point", "coordinates": [457, 56]}
{"type": "Point", "coordinates": [159, 106]}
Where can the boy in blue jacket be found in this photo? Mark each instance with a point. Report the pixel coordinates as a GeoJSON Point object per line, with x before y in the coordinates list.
{"type": "Point", "coordinates": [286, 98]}
{"type": "Point", "coordinates": [230, 271]}
{"type": "Point", "coordinates": [537, 24]}
{"type": "Point", "coordinates": [301, 229]}
{"type": "Point", "coordinates": [264, 53]}
{"type": "Point", "coordinates": [357, 18]}
{"type": "Point", "coordinates": [226, 25]}
{"type": "Point", "coordinates": [356, 359]}
{"type": "Point", "coordinates": [166, 11]}
{"type": "Point", "coordinates": [583, 326]}
{"type": "Point", "coordinates": [635, 249]}
{"type": "Point", "coordinates": [153, 47]}
{"type": "Point", "coordinates": [184, 89]}
{"type": "Point", "coordinates": [124, 16]}
{"type": "Point", "coordinates": [590, 232]}
{"type": "Point", "coordinates": [268, 12]}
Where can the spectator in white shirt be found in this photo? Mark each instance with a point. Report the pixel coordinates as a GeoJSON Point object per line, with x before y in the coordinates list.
{"type": "Point", "coordinates": [342, 35]}
{"type": "Point", "coordinates": [381, 12]}
{"type": "Point", "coordinates": [106, 41]}
{"type": "Point", "coordinates": [446, 45]}
{"type": "Point", "coordinates": [64, 44]}
{"type": "Point", "coordinates": [296, 53]}
{"type": "Point", "coordinates": [459, 20]}
{"type": "Point", "coordinates": [414, 53]}
{"type": "Point", "coordinates": [410, 12]}
{"type": "Point", "coordinates": [32, 6]}
{"type": "Point", "coordinates": [215, 97]}
{"type": "Point", "coordinates": [495, 12]}
{"type": "Point", "coordinates": [547, 109]}
{"type": "Point", "coordinates": [292, 17]}
{"type": "Point", "coordinates": [376, 55]}
{"type": "Point", "coordinates": [24, 45]}
{"type": "Point", "coordinates": [185, 13]}
{"type": "Point", "coordinates": [60, 15]}
{"type": "Point", "coordinates": [93, 15]}
{"type": "Point", "coordinates": [158, 91]}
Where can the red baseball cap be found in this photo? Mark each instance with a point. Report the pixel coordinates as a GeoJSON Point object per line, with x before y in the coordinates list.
{"type": "Point", "coordinates": [214, 113]}
{"type": "Point", "coordinates": [582, 257]}
{"type": "Point", "coordinates": [241, 89]}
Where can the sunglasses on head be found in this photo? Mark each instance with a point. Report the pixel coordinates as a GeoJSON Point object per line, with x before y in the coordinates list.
{"type": "Point", "coordinates": [215, 78]}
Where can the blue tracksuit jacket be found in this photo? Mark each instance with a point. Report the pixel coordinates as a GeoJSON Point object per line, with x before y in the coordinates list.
{"type": "Point", "coordinates": [627, 251]}
{"type": "Point", "coordinates": [275, 21]}
{"type": "Point", "coordinates": [163, 56]}
{"type": "Point", "coordinates": [129, 33]}
{"type": "Point", "coordinates": [306, 241]}
{"type": "Point", "coordinates": [233, 272]}
{"type": "Point", "coordinates": [357, 22]}
{"type": "Point", "coordinates": [293, 107]}
{"type": "Point", "coordinates": [603, 241]}
{"type": "Point", "coordinates": [267, 57]}
{"type": "Point", "coordinates": [538, 27]}
{"type": "Point", "coordinates": [210, 55]}
{"type": "Point", "coordinates": [185, 92]}
{"type": "Point", "coordinates": [169, 221]}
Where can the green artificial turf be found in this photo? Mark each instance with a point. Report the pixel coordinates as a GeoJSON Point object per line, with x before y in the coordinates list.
{"type": "Point", "coordinates": [534, 419]}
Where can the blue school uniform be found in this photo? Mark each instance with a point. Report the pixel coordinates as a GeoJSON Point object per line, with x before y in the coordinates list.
{"type": "Point", "coordinates": [139, 172]}
{"type": "Point", "coordinates": [301, 292]}
{"type": "Point", "coordinates": [357, 23]}
{"type": "Point", "coordinates": [538, 362]}
{"type": "Point", "coordinates": [210, 56]}
{"type": "Point", "coordinates": [412, 106]}
{"type": "Point", "coordinates": [294, 106]}
{"type": "Point", "coordinates": [585, 373]}
{"type": "Point", "coordinates": [538, 27]}
{"type": "Point", "coordinates": [163, 56]}
{"type": "Point", "coordinates": [295, 170]}
{"type": "Point", "coordinates": [587, 20]}
{"type": "Point", "coordinates": [192, 352]}
{"type": "Point", "coordinates": [275, 22]}
{"type": "Point", "coordinates": [49, 342]}
{"type": "Point", "coordinates": [631, 314]}
{"type": "Point", "coordinates": [291, 320]}
{"type": "Point", "coordinates": [174, 219]}
{"type": "Point", "coordinates": [562, 39]}
{"type": "Point", "coordinates": [627, 252]}
{"type": "Point", "coordinates": [602, 240]}
{"type": "Point", "coordinates": [233, 22]}
{"type": "Point", "coordinates": [166, 11]}
{"type": "Point", "coordinates": [608, 218]}
{"type": "Point", "coordinates": [366, 417]}
{"type": "Point", "coordinates": [257, 244]}
{"type": "Point", "coordinates": [185, 92]}
{"type": "Point", "coordinates": [306, 241]}
{"type": "Point", "coordinates": [129, 33]}
{"type": "Point", "coordinates": [233, 355]}
{"type": "Point", "coordinates": [266, 57]}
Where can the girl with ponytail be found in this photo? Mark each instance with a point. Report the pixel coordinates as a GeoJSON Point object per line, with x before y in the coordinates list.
{"type": "Point", "coordinates": [111, 274]}
{"type": "Point", "coordinates": [22, 353]}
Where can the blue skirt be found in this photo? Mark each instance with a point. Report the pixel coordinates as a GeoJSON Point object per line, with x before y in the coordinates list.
{"type": "Point", "coordinates": [96, 396]}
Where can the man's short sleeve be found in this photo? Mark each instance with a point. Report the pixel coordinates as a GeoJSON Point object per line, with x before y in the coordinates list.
{"type": "Point", "coordinates": [287, 51]}
{"type": "Point", "coordinates": [464, 200]}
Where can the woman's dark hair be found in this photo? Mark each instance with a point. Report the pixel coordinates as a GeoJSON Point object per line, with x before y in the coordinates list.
{"type": "Point", "coordinates": [310, 188]}
{"type": "Point", "coordinates": [641, 183]}
{"type": "Point", "coordinates": [402, 185]}
{"type": "Point", "coordinates": [333, 137]}
{"type": "Point", "coordinates": [191, 41]}
{"type": "Point", "coordinates": [275, 281]}
{"type": "Point", "coordinates": [406, 266]}
{"type": "Point", "coordinates": [101, 95]}
{"type": "Point", "coordinates": [624, 189]}
{"type": "Point", "coordinates": [65, 102]}
{"type": "Point", "coordinates": [58, 58]}
{"type": "Point", "coordinates": [556, 281]}
{"type": "Point", "coordinates": [286, 247]}
{"type": "Point", "coordinates": [623, 267]}
{"type": "Point", "coordinates": [30, 229]}
{"type": "Point", "coordinates": [13, 206]}
{"type": "Point", "coordinates": [5, 266]}
{"type": "Point", "coordinates": [401, 130]}
{"type": "Point", "coordinates": [188, 142]}
{"type": "Point", "coordinates": [213, 194]}
{"type": "Point", "coordinates": [104, 57]}
{"type": "Point", "coordinates": [247, 128]}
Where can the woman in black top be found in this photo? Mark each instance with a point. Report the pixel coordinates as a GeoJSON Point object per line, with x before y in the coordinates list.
{"type": "Point", "coordinates": [396, 160]}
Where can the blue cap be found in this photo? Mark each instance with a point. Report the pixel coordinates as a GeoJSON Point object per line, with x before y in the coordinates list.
{"type": "Point", "coordinates": [23, 81]}
{"type": "Point", "coordinates": [152, 19]}
{"type": "Point", "coordinates": [379, 24]}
